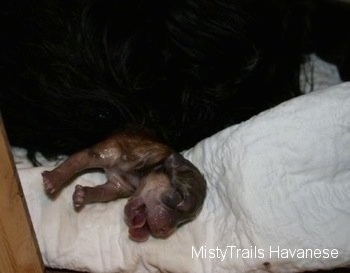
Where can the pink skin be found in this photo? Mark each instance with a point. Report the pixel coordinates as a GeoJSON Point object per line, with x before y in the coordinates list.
{"type": "Point", "coordinates": [146, 214]}
{"type": "Point", "coordinates": [165, 189]}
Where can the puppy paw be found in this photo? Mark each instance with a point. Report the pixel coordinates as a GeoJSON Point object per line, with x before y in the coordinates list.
{"type": "Point", "coordinates": [49, 182]}
{"type": "Point", "coordinates": [79, 197]}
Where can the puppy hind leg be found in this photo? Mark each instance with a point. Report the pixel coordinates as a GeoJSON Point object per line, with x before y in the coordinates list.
{"type": "Point", "coordinates": [56, 179]}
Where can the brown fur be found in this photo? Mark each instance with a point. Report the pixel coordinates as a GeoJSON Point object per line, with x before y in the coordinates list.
{"type": "Point", "coordinates": [166, 190]}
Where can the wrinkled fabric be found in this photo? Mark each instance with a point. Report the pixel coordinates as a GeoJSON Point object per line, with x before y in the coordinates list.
{"type": "Point", "coordinates": [279, 181]}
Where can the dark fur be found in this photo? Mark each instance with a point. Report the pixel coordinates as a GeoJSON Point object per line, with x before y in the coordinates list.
{"type": "Point", "coordinates": [73, 71]}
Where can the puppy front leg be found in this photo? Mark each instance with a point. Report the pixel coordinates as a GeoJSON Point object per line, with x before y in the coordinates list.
{"type": "Point", "coordinates": [109, 191]}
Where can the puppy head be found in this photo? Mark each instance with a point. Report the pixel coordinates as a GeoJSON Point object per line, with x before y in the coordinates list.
{"type": "Point", "coordinates": [169, 196]}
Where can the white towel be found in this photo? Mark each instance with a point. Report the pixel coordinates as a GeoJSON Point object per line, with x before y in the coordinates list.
{"type": "Point", "coordinates": [278, 190]}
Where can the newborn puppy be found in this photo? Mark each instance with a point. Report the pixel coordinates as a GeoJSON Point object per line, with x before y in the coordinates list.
{"type": "Point", "coordinates": [165, 189]}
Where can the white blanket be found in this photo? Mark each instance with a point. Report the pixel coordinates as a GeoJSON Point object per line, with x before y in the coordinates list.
{"type": "Point", "coordinates": [278, 192]}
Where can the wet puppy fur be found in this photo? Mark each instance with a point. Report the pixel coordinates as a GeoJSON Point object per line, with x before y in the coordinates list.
{"type": "Point", "coordinates": [165, 189]}
{"type": "Point", "coordinates": [72, 72]}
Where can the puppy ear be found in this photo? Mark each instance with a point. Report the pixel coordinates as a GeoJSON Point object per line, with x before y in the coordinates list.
{"type": "Point", "coordinates": [188, 181]}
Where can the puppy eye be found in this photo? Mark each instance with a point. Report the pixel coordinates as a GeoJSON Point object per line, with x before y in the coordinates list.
{"type": "Point", "coordinates": [172, 198]}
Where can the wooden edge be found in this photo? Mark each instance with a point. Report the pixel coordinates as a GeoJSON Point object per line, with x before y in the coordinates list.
{"type": "Point", "coordinates": [19, 251]}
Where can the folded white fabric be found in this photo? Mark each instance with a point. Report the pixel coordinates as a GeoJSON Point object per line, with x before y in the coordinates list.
{"type": "Point", "coordinates": [278, 201]}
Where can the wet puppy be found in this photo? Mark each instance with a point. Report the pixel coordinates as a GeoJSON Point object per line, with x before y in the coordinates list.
{"type": "Point", "coordinates": [165, 189]}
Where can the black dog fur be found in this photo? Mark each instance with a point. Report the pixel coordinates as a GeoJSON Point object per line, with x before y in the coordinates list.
{"type": "Point", "coordinates": [73, 71]}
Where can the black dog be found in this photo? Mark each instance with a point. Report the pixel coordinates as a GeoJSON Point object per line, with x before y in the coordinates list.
{"type": "Point", "coordinates": [73, 71]}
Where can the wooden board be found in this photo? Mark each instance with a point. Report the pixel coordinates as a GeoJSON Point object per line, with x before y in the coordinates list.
{"type": "Point", "coordinates": [19, 250]}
